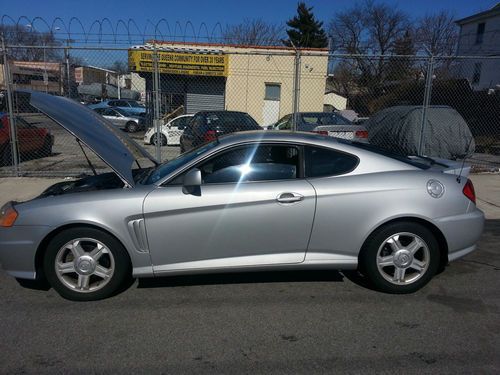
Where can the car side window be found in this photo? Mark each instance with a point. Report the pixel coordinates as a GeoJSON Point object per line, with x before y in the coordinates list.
{"type": "Point", "coordinates": [252, 163]}
{"type": "Point", "coordinates": [322, 162]}
{"type": "Point", "coordinates": [179, 123]}
{"type": "Point", "coordinates": [284, 123]}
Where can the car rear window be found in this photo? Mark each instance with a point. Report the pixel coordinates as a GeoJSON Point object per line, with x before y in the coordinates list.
{"type": "Point", "coordinates": [323, 162]}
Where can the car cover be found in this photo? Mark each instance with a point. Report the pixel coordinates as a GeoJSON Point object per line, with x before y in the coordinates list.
{"type": "Point", "coordinates": [398, 129]}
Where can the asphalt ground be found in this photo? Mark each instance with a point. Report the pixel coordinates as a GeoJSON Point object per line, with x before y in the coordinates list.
{"type": "Point", "coordinates": [273, 322]}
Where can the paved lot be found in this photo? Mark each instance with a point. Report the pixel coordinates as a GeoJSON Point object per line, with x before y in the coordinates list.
{"type": "Point", "coordinates": [292, 322]}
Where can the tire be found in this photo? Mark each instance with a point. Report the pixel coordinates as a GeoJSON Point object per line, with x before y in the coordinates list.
{"type": "Point", "coordinates": [96, 265]}
{"type": "Point", "coordinates": [131, 127]}
{"type": "Point", "coordinates": [163, 140]}
{"type": "Point", "coordinates": [400, 258]}
{"type": "Point", "coordinates": [7, 155]}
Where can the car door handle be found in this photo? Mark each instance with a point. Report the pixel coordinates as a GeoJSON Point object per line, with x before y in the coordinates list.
{"type": "Point", "coordinates": [289, 197]}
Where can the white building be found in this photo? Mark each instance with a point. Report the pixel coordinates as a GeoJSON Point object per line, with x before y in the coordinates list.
{"type": "Point", "coordinates": [480, 36]}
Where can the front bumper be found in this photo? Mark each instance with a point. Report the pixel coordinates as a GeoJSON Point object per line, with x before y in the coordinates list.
{"type": "Point", "coordinates": [18, 246]}
{"type": "Point", "coordinates": [462, 232]}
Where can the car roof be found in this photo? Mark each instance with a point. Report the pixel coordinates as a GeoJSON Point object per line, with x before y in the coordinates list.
{"type": "Point", "coordinates": [220, 112]}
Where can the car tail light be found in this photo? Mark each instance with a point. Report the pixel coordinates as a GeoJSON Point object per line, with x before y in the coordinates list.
{"type": "Point", "coordinates": [8, 215]}
{"type": "Point", "coordinates": [361, 134]}
{"type": "Point", "coordinates": [210, 136]}
{"type": "Point", "coordinates": [469, 191]}
{"type": "Point", "coordinates": [321, 132]}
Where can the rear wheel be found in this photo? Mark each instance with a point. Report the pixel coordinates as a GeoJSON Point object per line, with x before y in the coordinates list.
{"type": "Point", "coordinates": [400, 257]}
{"type": "Point", "coordinates": [163, 140]}
{"type": "Point", "coordinates": [86, 264]}
{"type": "Point", "coordinates": [6, 155]}
{"type": "Point", "coordinates": [131, 127]}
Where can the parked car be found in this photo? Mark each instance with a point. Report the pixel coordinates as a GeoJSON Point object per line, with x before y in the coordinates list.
{"type": "Point", "coordinates": [32, 140]}
{"type": "Point", "coordinates": [122, 119]}
{"type": "Point", "coordinates": [170, 133]}
{"type": "Point", "coordinates": [207, 126]}
{"type": "Point", "coordinates": [131, 106]}
{"type": "Point", "coordinates": [325, 123]}
{"type": "Point", "coordinates": [251, 201]}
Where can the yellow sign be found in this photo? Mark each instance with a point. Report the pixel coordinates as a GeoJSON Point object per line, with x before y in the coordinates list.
{"type": "Point", "coordinates": [179, 63]}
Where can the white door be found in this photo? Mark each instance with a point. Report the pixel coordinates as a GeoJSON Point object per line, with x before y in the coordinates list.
{"type": "Point", "coordinates": [271, 112]}
{"type": "Point", "coordinates": [271, 109]}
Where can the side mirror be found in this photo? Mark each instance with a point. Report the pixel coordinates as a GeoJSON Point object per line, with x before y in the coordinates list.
{"type": "Point", "coordinates": [192, 182]}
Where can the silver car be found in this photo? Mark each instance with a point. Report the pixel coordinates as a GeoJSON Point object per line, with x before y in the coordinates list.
{"type": "Point", "coordinates": [121, 119]}
{"type": "Point", "coordinates": [251, 201]}
{"type": "Point", "coordinates": [330, 124]}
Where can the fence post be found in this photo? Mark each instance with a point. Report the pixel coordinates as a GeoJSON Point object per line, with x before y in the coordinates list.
{"type": "Point", "coordinates": [156, 102]}
{"type": "Point", "coordinates": [296, 90]}
{"type": "Point", "coordinates": [12, 118]}
{"type": "Point", "coordinates": [427, 100]}
{"type": "Point", "coordinates": [68, 69]}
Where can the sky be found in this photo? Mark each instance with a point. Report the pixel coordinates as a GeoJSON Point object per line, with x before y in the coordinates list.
{"type": "Point", "coordinates": [211, 12]}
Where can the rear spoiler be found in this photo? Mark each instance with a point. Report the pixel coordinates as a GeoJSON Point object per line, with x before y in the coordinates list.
{"type": "Point", "coordinates": [445, 165]}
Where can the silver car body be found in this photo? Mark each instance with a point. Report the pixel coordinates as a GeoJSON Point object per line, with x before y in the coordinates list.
{"type": "Point", "coordinates": [241, 226]}
{"type": "Point", "coordinates": [115, 117]}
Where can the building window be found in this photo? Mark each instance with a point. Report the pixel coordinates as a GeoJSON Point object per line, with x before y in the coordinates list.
{"type": "Point", "coordinates": [273, 91]}
{"type": "Point", "coordinates": [477, 73]}
{"type": "Point", "coordinates": [480, 32]}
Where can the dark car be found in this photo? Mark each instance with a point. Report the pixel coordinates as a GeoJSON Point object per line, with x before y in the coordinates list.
{"type": "Point", "coordinates": [32, 141]}
{"type": "Point", "coordinates": [207, 126]}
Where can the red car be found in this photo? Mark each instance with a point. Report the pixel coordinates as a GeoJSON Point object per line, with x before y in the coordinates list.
{"type": "Point", "coordinates": [32, 141]}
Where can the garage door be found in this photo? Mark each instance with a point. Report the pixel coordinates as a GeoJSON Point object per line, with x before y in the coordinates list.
{"type": "Point", "coordinates": [205, 94]}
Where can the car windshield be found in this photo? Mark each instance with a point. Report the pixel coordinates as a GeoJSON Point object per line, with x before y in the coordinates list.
{"type": "Point", "coordinates": [134, 104]}
{"type": "Point", "coordinates": [326, 118]}
{"type": "Point", "coordinates": [166, 168]}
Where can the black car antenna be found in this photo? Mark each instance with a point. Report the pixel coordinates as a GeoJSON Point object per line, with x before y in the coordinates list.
{"type": "Point", "coordinates": [86, 157]}
{"type": "Point", "coordinates": [468, 153]}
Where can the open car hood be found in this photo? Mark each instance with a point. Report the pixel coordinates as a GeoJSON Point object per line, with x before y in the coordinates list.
{"type": "Point", "coordinates": [112, 145]}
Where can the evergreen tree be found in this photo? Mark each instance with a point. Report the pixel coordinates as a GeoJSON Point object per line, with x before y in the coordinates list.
{"type": "Point", "coordinates": [304, 30]}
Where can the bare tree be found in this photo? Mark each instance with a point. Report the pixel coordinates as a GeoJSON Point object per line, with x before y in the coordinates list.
{"type": "Point", "coordinates": [120, 67]}
{"type": "Point", "coordinates": [254, 32]}
{"type": "Point", "coordinates": [27, 45]}
{"type": "Point", "coordinates": [437, 33]}
{"type": "Point", "coordinates": [374, 29]}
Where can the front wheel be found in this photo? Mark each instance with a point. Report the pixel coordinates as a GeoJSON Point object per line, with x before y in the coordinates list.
{"type": "Point", "coordinates": [131, 127]}
{"type": "Point", "coordinates": [163, 140]}
{"type": "Point", "coordinates": [400, 257]}
{"type": "Point", "coordinates": [86, 264]}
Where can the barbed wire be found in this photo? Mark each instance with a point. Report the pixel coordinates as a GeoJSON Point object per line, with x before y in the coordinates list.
{"type": "Point", "coordinates": [104, 30]}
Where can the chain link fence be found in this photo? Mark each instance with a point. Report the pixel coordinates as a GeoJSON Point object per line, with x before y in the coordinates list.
{"type": "Point", "coordinates": [171, 97]}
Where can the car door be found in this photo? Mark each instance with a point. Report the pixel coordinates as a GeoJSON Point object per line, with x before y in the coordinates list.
{"type": "Point", "coordinates": [175, 129]}
{"type": "Point", "coordinates": [253, 209]}
{"type": "Point", "coordinates": [112, 116]}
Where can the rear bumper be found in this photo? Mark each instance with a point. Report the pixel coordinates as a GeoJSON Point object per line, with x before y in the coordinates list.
{"type": "Point", "coordinates": [18, 246]}
{"type": "Point", "coordinates": [462, 232]}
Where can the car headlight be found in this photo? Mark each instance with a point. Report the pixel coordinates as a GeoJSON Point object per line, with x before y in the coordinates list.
{"type": "Point", "coordinates": [8, 215]}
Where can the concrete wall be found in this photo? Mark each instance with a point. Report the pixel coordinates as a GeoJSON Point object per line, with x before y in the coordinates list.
{"type": "Point", "coordinates": [248, 75]}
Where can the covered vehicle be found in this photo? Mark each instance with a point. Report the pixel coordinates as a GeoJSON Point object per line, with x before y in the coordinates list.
{"type": "Point", "coordinates": [445, 135]}
{"type": "Point", "coordinates": [250, 201]}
